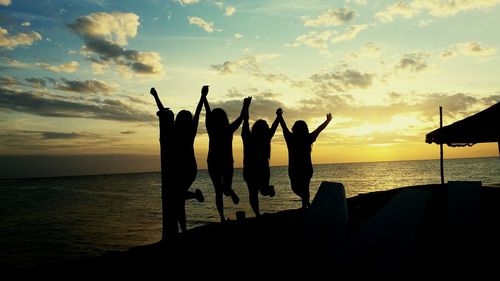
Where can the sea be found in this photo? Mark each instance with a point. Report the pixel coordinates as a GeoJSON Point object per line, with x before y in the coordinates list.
{"type": "Point", "coordinates": [49, 220]}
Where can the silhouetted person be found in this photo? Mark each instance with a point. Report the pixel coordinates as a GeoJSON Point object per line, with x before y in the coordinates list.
{"type": "Point", "coordinates": [256, 154]}
{"type": "Point", "coordinates": [220, 152]}
{"type": "Point", "coordinates": [299, 143]}
{"type": "Point", "coordinates": [181, 160]}
{"type": "Point", "coordinates": [168, 195]}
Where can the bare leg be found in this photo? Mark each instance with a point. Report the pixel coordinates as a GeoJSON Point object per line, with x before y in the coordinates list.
{"type": "Point", "coordinates": [182, 215]}
{"type": "Point", "coordinates": [306, 195]}
{"type": "Point", "coordinates": [227, 181]}
{"type": "Point", "coordinates": [254, 198]}
{"type": "Point", "coordinates": [189, 195]}
{"type": "Point", "coordinates": [219, 202]}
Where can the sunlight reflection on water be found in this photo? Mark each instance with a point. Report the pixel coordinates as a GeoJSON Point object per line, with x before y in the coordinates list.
{"type": "Point", "coordinates": [52, 219]}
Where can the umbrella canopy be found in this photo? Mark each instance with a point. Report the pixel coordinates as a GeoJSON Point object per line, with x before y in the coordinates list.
{"type": "Point", "coordinates": [481, 127]}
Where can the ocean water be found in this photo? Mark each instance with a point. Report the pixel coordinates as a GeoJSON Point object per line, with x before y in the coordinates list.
{"type": "Point", "coordinates": [48, 220]}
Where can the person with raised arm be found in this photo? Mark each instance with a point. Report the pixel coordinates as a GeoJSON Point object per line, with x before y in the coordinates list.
{"type": "Point", "coordinates": [299, 143]}
{"type": "Point", "coordinates": [220, 152]}
{"type": "Point", "coordinates": [178, 141]}
{"type": "Point", "coordinates": [256, 155]}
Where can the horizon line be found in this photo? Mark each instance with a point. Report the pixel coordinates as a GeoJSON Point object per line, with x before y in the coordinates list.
{"type": "Point", "coordinates": [205, 169]}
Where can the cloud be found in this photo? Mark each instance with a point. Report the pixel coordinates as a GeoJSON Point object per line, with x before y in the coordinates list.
{"type": "Point", "coordinates": [8, 81]}
{"type": "Point", "coordinates": [436, 8]}
{"type": "Point", "coordinates": [26, 23]}
{"type": "Point", "coordinates": [331, 17]}
{"type": "Point", "coordinates": [423, 23]}
{"type": "Point", "coordinates": [106, 34]}
{"type": "Point", "coordinates": [350, 33]}
{"type": "Point", "coordinates": [37, 104]}
{"type": "Point", "coordinates": [207, 26]}
{"type": "Point", "coordinates": [69, 67]}
{"type": "Point", "coordinates": [400, 8]}
{"type": "Point", "coordinates": [238, 35]}
{"type": "Point", "coordinates": [440, 8]}
{"type": "Point", "coordinates": [113, 27]}
{"type": "Point", "coordinates": [359, 2]}
{"type": "Point", "coordinates": [12, 41]}
{"type": "Point", "coordinates": [36, 82]}
{"type": "Point", "coordinates": [471, 48]}
{"type": "Point", "coordinates": [230, 11]}
{"type": "Point", "coordinates": [341, 81]}
{"type": "Point", "coordinates": [251, 65]}
{"type": "Point", "coordinates": [313, 39]}
{"type": "Point", "coordinates": [261, 107]}
{"type": "Point", "coordinates": [369, 50]}
{"type": "Point", "coordinates": [58, 135]}
{"type": "Point", "coordinates": [5, 2]}
{"type": "Point", "coordinates": [87, 86]}
{"type": "Point", "coordinates": [414, 62]}
{"type": "Point", "coordinates": [186, 2]}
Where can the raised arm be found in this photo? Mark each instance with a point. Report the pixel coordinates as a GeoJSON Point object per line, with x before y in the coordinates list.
{"type": "Point", "coordinates": [279, 116]}
{"type": "Point", "coordinates": [196, 117]}
{"type": "Point", "coordinates": [207, 110]}
{"type": "Point", "coordinates": [246, 126]}
{"type": "Point", "coordinates": [244, 110]}
{"type": "Point", "coordinates": [157, 99]}
{"type": "Point", "coordinates": [322, 126]}
{"type": "Point", "coordinates": [276, 121]}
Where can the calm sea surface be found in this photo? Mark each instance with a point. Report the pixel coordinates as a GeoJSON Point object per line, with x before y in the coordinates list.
{"type": "Point", "coordinates": [54, 219]}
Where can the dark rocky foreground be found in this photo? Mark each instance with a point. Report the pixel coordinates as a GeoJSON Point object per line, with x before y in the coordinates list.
{"type": "Point", "coordinates": [285, 244]}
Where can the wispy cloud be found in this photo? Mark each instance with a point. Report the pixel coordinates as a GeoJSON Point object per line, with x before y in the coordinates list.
{"type": "Point", "coordinates": [471, 48]}
{"type": "Point", "coordinates": [87, 86]}
{"type": "Point", "coordinates": [68, 67]}
{"type": "Point", "coordinates": [252, 65]}
{"type": "Point", "coordinates": [436, 8]}
{"type": "Point", "coordinates": [414, 62]}
{"type": "Point", "coordinates": [369, 50]}
{"type": "Point", "coordinates": [331, 17]}
{"type": "Point", "coordinates": [313, 39]}
{"type": "Point", "coordinates": [359, 2]}
{"type": "Point", "coordinates": [400, 8]}
{"type": "Point", "coordinates": [38, 104]}
{"type": "Point", "coordinates": [230, 10]}
{"type": "Point", "coordinates": [341, 81]}
{"type": "Point", "coordinates": [12, 41]}
{"type": "Point", "coordinates": [207, 26]}
{"type": "Point", "coordinates": [186, 2]}
{"type": "Point", "coordinates": [36, 82]}
{"type": "Point", "coordinates": [350, 33]}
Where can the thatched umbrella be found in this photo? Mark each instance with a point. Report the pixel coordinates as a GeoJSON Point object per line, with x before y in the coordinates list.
{"type": "Point", "coordinates": [481, 127]}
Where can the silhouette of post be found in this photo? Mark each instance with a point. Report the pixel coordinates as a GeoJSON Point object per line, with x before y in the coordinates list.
{"type": "Point", "coordinates": [441, 145]}
{"type": "Point", "coordinates": [168, 201]}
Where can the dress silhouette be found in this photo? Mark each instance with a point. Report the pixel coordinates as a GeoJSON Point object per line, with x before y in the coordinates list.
{"type": "Point", "coordinates": [256, 154]}
{"type": "Point", "coordinates": [299, 143]}
{"type": "Point", "coordinates": [178, 140]}
{"type": "Point", "coordinates": [220, 152]}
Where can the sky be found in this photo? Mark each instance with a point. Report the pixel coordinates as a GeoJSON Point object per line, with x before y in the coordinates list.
{"type": "Point", "coordinates": [75, 76]}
